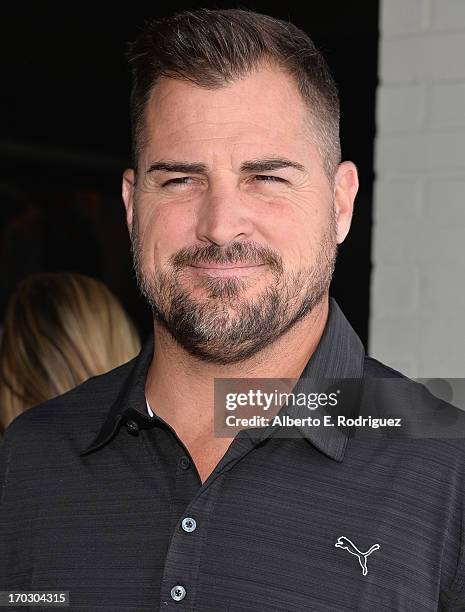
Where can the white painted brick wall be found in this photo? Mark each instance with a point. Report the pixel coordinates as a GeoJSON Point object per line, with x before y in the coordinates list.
{"type": "Point", "coordinates": [417, 322]}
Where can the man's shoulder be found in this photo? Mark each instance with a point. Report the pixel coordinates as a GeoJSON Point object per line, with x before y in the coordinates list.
{"type": "Point", "coordinates": [79, 409]}
{"type": "Point", "coordinates": [427, 417]}
{"type": "Point", "coordinates": [376, 369]}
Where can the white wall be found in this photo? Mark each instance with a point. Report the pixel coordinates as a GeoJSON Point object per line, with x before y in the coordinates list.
{"type": "Point", "coordinates": [417, 322]}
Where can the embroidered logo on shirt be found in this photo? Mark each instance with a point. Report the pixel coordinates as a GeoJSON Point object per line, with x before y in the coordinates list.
{"type": "Point", "coordinates": [343, 542]}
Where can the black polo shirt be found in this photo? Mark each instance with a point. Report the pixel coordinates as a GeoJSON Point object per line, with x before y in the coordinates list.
{"type": "Point", "coordinates": [101, 500]}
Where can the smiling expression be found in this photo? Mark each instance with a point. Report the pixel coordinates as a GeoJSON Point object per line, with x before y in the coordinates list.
{"type": "Point", "coordinates": [233, 220]}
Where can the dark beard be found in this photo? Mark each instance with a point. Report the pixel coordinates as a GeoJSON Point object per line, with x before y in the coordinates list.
{"type": "Point", "coordinates": [224, 328]}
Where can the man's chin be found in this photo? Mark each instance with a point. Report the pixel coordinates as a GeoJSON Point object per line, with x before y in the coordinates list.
{"type": "Point", "coordinates": [218, 289]}
{"type": "Point", "coordinates": [218, 337]}
{"type": "Point", "coordinates": [218, 348]}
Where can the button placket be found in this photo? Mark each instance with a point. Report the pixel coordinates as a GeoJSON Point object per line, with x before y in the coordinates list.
{"type": "Point", "coordinates": [185, 548]}
{"type": "Point", "coordinates": [183, 557]}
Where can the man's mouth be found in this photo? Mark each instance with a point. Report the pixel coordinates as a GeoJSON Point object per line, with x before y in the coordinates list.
{"type": "Point", "coordinates": [215, 266]}
{"type": "Point", "coordinates": [236, 269]}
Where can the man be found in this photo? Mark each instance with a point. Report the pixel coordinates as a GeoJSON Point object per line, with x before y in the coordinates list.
{"type": "Point", "coordinates": [119, 491]}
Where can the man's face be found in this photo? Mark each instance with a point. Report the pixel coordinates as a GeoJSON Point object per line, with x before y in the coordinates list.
{"type": "Point", "coordinates": [234, 224]}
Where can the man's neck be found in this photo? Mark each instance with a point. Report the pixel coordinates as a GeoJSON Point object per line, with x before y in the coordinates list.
{"type": "Point", "coordinates": [179, 387]}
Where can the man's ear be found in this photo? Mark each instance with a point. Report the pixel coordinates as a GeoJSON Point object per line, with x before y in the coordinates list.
{"type": "Point", "coordinates": [345, 190]}
{"type": "Point", "coordinates": [128, 195]}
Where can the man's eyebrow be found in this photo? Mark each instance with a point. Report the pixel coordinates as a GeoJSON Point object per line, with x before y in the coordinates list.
{"type": "Point", "coordinates": [254, 165]}
{"type": "Point", "coordinates": [270, 163]}
{"type": "Point", "coordinates": [177, 166]}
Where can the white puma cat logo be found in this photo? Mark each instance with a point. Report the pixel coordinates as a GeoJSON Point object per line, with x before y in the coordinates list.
{"type": "Point", "coordinates": [343, 542]}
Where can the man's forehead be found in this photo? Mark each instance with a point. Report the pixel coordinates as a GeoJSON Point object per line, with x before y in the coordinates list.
{"type": "Point", "coordinates": [264, 100]}
{"type": "Point", "coordinates": [226, 128]}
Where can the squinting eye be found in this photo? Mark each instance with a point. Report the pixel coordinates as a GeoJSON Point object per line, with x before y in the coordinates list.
{"type": "Point", "coordinates": [273, 178]}
{"type": "Point", "coordinates": [177, 181]}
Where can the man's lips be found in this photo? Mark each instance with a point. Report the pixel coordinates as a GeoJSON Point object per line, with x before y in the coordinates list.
{"type": "Point", "coordinates": [213, 266]}
{"type": "Point", "coordinates": [213, 269]}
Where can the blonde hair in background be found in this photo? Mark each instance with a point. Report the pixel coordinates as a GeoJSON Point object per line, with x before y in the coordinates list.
{"type": "Point", "coordinates": [59, 330]}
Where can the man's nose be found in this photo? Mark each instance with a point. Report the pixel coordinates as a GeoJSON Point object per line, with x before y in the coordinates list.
{"type": "Point", "coordinates": [224, 217]}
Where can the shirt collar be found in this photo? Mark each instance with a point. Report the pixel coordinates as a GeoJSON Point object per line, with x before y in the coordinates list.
{"type": "Point", "coordinates": [339, 354]}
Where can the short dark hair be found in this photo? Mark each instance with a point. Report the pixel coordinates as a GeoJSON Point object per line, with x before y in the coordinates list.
{"type": "Point", "coordinates": [212, 48]}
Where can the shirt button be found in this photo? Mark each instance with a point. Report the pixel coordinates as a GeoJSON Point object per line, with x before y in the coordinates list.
{"type": "Point", "coordinates": [132, 427]}
{"type": "Point", "coordinates": [184, 463]}
{"type": "Point", "coordinates": [178, 592]}
{"type": "Point", "coordinates": [188, 524]}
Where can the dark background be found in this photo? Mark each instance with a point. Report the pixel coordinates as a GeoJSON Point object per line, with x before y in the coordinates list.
{"type": "Point", "coordinates": [65, 138]}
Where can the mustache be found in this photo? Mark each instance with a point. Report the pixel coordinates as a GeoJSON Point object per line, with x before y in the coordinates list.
{"type": "Point", "coordinates": [236, 253]}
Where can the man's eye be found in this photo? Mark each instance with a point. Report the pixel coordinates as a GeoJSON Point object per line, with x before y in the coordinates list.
{"type": "Point", "coordinates": [177, 181]}
{"type": "Point", "coordinates": [263, 178]}
{"type": "Point", "coordinates": [185, 180]}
